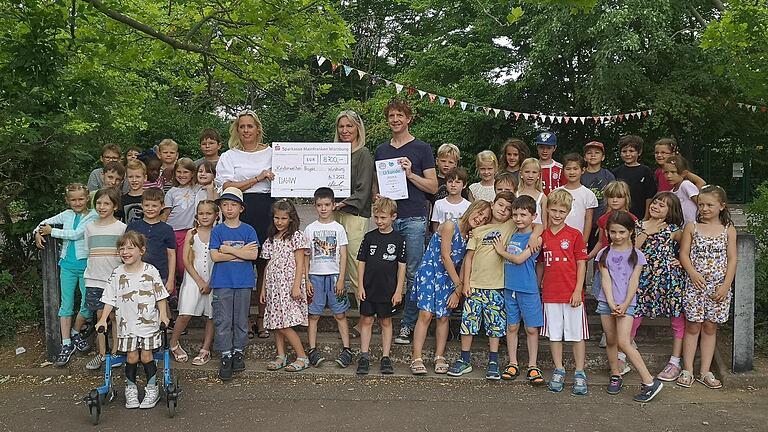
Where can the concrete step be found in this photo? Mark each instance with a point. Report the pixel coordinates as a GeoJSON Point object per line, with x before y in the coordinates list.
{"type": "Point", "coordinates": [654, 354]}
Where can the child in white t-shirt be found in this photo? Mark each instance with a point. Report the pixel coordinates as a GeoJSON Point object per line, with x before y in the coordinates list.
{"type": "Point", "coordinates": [584, 200]}
{"type": "Point", "coordinates": [454, 205]}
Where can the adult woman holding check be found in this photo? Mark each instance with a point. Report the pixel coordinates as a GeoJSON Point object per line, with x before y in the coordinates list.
{"type": "Point", "coordinates": [354, 212]}
{"type": "Point", "coordinates": [247, 165]}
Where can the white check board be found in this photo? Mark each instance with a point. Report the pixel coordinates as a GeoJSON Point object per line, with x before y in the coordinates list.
{"type": "Point", "coordinates": [301, 168]}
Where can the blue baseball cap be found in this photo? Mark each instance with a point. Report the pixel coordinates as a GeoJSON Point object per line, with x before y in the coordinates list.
{"type": "Point", "coordinates": [546, 138]}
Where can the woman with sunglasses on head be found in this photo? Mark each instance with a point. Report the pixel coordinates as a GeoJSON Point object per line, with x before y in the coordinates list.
{"type": "Point", "coordinates": [354, 211]}
{"type": "Point", "coordinates": [247, 165]}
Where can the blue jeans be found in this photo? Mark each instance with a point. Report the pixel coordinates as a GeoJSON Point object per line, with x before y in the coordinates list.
{"type": "Point", "coordinates": [413, 229]}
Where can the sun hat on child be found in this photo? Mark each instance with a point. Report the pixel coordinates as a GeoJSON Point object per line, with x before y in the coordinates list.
{"type": "Point", "coordinates": [233, 194]}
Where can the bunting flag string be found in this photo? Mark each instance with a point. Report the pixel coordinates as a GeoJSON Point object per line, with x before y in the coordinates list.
{"type": "Point", "coordinates": [499, 112]}
{"type": "Point", "coordinates": [753, 108]}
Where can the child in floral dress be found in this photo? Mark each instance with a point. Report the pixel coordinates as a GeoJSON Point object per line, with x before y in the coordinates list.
{"type": "Point", "coordinates": [285, 294]}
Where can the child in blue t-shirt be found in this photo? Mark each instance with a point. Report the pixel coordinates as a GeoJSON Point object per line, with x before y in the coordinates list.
{"type": "Point", "coordinates": [233, 247]}
{"type": "Point", "coordinates": [521, 290]}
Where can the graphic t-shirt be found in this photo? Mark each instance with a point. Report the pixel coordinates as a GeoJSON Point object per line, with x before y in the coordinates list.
{"type": "Point", "coordinates": [583, 199]}
{"type": "Point", "coordinates": [422, 159]}
{"type": "Point", "coordinates": [560, 253]}
{"type": "Point", "coordinates": [552, 177]}
{"type": "Point", "coordinates": [134, 296]}
{"type": "Point", "coordinates": [326, 240]}
{"type": "Point", "coordinates": [620, 270]}
{"type": "Point", "coordinates": [642, 186]}
{"type": "Point", "coordinates": [596, 182]}
{"type": "Point", "coordinates": [487, 265]}
{"type": "Point", "coordinates": [182, 202]}
{"type": "Point", "coordinates": [130, 209]}
{"type": "Point", "coordinates": [381, 254]}
{"type": "Point", "coordinates": [236, 273]}
{"type": "Point", "coordinates": [444, 210]}
{"type": "Point", "coordinates": [160, 238]}
{"type": "Point", "coordinates": [520, 277]}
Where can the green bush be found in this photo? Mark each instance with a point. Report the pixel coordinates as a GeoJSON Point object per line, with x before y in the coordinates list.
{"type": "Point", "coordinates": [21, 300]}
{"type": "Point", "coordinates": [757, 214]}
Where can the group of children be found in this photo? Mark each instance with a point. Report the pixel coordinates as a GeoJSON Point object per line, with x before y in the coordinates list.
{"type": "Point", "coordinates": [513, 247]}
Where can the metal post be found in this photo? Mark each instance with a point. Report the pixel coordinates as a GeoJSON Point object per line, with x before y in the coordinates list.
{"type": "Point", "coordinates": [49, 257]}
{"type": "Point", "coordinates": [744, 304]}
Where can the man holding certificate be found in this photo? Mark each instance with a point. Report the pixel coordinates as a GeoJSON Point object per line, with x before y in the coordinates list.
{"type": "Point", "coordinates": [417, 165]}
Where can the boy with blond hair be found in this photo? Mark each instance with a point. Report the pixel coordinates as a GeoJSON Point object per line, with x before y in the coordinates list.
{"type": "Point", "coordinates": [560, 271]}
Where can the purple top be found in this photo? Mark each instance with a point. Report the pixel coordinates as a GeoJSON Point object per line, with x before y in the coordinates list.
{"type": "Point", "coordinates": [685, 192]}
{"type": "Point", "coordinates": [620, 271]}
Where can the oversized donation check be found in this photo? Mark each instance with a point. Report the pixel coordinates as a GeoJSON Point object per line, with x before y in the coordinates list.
{"type": "Point", "coordinates": [301, 168]}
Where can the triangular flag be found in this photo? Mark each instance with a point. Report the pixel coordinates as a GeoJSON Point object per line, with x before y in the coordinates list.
{"type": "Point", "coordinates": [398, 87]}
{"type": "Point", "coordinates": [583, 120]}
{"type": "Point", "coordinates": [422, 93]}
{"type": "Point", "coordinates": [451, 102]}
{"type": "Point", "coordinates": [475, 108]}
{"type": "Point", "coordinates": [334, 66]}
{"type": "Point", "coordinates": [441, 99]}
{"type": "Point", "coordinates": [551, 118]}
{"type": "Point", "coordinates": [741, 105]}
{"type": "Point", "coordinates": [595, 118]}
{"type": "Point", "coordinates": [487, 110]}
{"type": "Point", "coordinates": [559, 119]}
{"type": "Point", "coordinates": [374, 79]}
{"type": "Point", "coordinates": [411, 91]}
{"type": "Point", "coordinates": [507, 113]}
{"type": "Point", "coordinates": [347, 70]}
{"type": "Point", "coordinates": [649, 112]}
{"type": "Point", "coordinates": [517, 116]}
{"type": "Point", "coordinates": [387, 82]}
{"type": "Point", "coordinates": [496, 111]}
{"type": "Point", "coordinates": [360, 73]}
{"type": "Point", "coordinates": [320, 60]}
{"type": "Point", "coordinates": [525, 116]}
{"type": "Point", "coordinates": [567, 119]}
{"type": "Point", "coordinates": [463, 106]}
{"type": "Point", "coordinates": [754, 108]}
{"type": "Point", "coordinates": [432, 97]}
{"type": "Point", "coordinates": [645, 113]}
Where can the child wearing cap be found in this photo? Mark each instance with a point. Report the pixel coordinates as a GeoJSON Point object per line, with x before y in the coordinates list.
{"type": "Point", "coordinates": [551, 170]}
{"type": "Point", "coordinates": [596, 178]}
{"type": "Point", "coordinates": [233, 247]}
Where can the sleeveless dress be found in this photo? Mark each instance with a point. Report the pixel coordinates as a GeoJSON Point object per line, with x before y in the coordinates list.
{"type": "Point", "coordinates": [709, 258]}
{"type": "Point", "coordinates": [432, 283]}
{"type": "Point", "coordinates": [191, 301]}
{"type": "Point", "coordinates": [480, 192]}
{"type": "Point", "coordinates": [660, 292]}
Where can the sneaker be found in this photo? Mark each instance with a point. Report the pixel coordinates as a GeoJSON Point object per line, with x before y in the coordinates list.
{"type": "Point", "coordinates": [315, 358]}
{"type": "Point", "coordinates": [670, 373]}
{"type": "Point", "coordinates": [151, 396]}
{"type": "Point", "coordinates": [64, 355]}
{"type": "Point", "coordinates": [492, 371]}
{"type": "Point", "coordinates": [557, 382]}
{"type": "Point", "coordinates": [386, 366]}
{"type": "Point", "coordinates": [345, 358]}
{"type": "Point", "coordinates": [624, 367]}
{"type": "Point", "coordinates": [95, 362]}
{"type": "Point", "coordinates": [238, 361]}
{"type": "Point", "coordinates": [614, 385]}
{"type": "Point", "coordinates": [579, 384]}
{"type": "Point", "coordinates": [363, 366]}
{"type": "Point", "coordinates": [131, 395]}
{"type": "Point", "coordinates": [648, 392]}
{"type": "Point", "coordinates": [80, 344]}
{"type": "Point", "coordinates": [603, 342]}
{"type": "Point", "coordinates": [225, 370]}
{"type": "Point", "coordinates": [404, 338]}
{"type": "Point", "coordinates": [459, 368]}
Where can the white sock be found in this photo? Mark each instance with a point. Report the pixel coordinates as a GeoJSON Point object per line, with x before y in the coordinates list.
{"type": "Point", "coordinates": [675, 360]}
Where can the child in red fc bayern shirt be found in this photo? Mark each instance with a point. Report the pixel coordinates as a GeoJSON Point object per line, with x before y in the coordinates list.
{"type": "Point", "coordinates": [564, 256]}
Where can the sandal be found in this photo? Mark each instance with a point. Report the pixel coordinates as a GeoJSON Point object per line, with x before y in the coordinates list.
{"type": "Point", "coordinates": [709, 380]}
{"type": "Point", "coordinates": [535, 377]}
{"type": "Point", "coordinates": [179, 354]}
{"type": "Point", "coordinates": [203, 357]}
{"type": "Point", "coordinates": [299, 365]}
{"type": "Point", "coordinates": [441, 365]}
{"type": "Point", "coordinates": [685, 379]}
{"type": "Point", "coordinates": [252, 331]}
{"type": "Point", "coordinates": [263, 334]}
{"type": "Point", "coordinates": [511, 372]}
{"type": "Point", "coordinates": [278, 363]}
{"type": "Point", "coordinates": [417, 367]}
